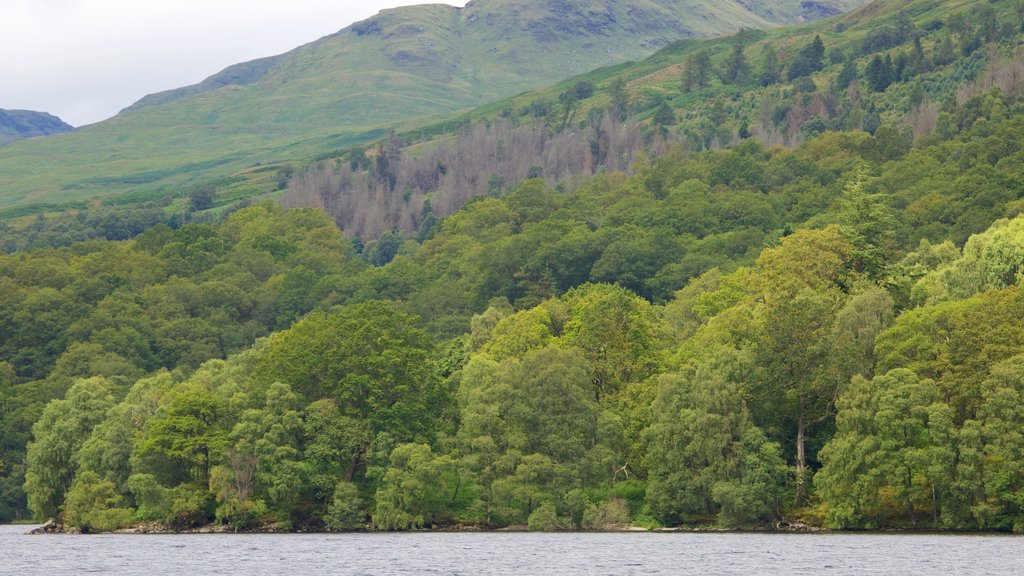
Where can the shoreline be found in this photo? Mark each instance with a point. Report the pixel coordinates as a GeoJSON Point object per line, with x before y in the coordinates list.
{"type": "Point", "coordinates": [152, 529]}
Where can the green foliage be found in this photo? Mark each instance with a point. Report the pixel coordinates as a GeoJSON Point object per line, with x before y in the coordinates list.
{"type": "Point", "coordinates": [697, 73]}
{"type": "Point", "coordinates": [151, 499]}
{"type": "Point", "coordinates": [729, 337]}
{"type": "Point", "coordinates": [373, 363]}
{"type": "Point", "coordinates": [544, 519]}
{"type": "Point", "coordinates": [57, 437]}
{"type": "Point", "coordinates": [346, 511]}
{"type": "Point", "coordinates": [186, 434]}
{"type": "Point", "coordinates": [892, 455]}
{"type": "Point", "coordinates": [91, 504]}
{"type": "Point", "coordinates": [419, 489]}
{"type": "Point", "coordinates": [712, 460]}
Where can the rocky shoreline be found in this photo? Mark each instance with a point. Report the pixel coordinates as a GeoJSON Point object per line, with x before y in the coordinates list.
{"type": "Point", "coordinates": [51, 526]}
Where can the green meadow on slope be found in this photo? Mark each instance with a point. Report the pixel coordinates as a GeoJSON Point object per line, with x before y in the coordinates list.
{"type": "Point", "coordinates": [346, 88]}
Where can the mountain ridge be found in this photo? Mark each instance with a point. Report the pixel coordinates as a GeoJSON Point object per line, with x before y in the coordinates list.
{"type": "Point", "coordinates": [21, 124]}
{"type": "Point", "coordinates": [596, 22]}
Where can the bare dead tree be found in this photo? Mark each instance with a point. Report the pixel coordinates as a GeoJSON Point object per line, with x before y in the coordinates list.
{"type": "Point", "coordinates": [392, 196]}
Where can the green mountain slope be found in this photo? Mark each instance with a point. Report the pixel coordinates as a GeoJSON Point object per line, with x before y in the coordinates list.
{"type": "Point", "coordinates": [777, 96]}
{"type": "Point", "coordinates": [404, 63]}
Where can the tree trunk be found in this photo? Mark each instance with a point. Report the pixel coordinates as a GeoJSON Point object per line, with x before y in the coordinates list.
{"type": "Point", "coordinates": [908, 484]}
{"type": "Point", "coordinates": [350, 474]}
{"type": "Point", "coordinates": [801, 456]}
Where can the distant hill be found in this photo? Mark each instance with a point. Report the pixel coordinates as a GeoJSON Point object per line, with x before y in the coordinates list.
{"type": "Point", "coordinates": [406, 63]}
{"type": "Point", "coordinates": [494, 46]}
{"type": "Point", "coordinates": [20, 124]}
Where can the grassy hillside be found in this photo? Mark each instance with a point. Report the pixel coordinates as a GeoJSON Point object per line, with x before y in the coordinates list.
{"type": "Point", "coordinates": [403, 64]}
{"type": "Point", "coordinates": [933, 54]}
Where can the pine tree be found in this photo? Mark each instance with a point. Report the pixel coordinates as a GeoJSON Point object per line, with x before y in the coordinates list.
{"type": "Point", "coordinates": [697, 73]}
{"type": "Point", "coordinates": [620, 98]}
{"type": "Point", "coordinates": [736, 67]}
{"type": "Point", "coordinates": [847, 75]}
{"type": "Point", "coordinates": [879, 73]}
{"type": "Point", "coordinates": [664, 115]}
{"type": "Point", "coordinates": [814, 53]}
{"type": "Point", "coordinates": [770, 74]}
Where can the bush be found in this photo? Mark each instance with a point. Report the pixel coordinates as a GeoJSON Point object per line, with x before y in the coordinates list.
{"type": "Point", "coordinates": [544, 519]}
{"type": "Point", "coordinates": [189, 506]}
{"type": "Point", "coordinates": [91, 505]}
{"type": "Point", "coordinates": [346, 510]}
{"type": "Point", "coordinates": [611, 514]}
{"type": "Point", "coordinates": [150, 497]}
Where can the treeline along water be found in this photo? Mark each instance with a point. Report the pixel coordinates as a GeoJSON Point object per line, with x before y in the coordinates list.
{"type": "Point", "coordinates": [508, 553]}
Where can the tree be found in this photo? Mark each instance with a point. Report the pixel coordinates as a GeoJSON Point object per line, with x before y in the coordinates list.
{"type": "Point", "coordinates": [804, 282]}
{"type": "Point", "coordinates": [710, 458]}
{"type": "Point", "coordinates": [697, 73]}
{"type": "Point", "coordinates": [737, 69]}
{"type": "Point", "coordinates": [850, 478]}
{"type": "Point", "coordinates": [389, 154]}
{"type": "Point", "coordinates": [664, 116]}
{"type": "Point", "coordinates": [531, 431]}
{"type": "Point", "coordinates": [771, 72]}
{"type": "Point", "coordinates": [570, 100]}
{"type": "Point", "coordinates": [57, 437]}
{"type": "Point", "coordinates": [847, 75]}
{"type": "Point", "coordinates": [998, 492]}
{"type": "Point", "coordinates": [869, 226]}
{"type": "Point", "coordinates": [616, 331]}
{"type": "Point", "coordinates": [879, 73]}
{"type": "Point", "coordinates": [814, 53]}
{"type": "Point", "coordinates": [201, 198]}
{"type": "Point", "coordinates": [18, 411]}
{"type": "Point", "coordinates": [264, 461]}
{"type": "Point", "coordinates": [186, 436]}
{"type": "Point", "coordinates": [347, 510]}
{"type": "Point", "coordinates": [893, 453]}
{"type": "Point", "coordinates": [419, 489]}
{"type": "Point", "coordinates": [368, 360]}
{"type": "Point", "coordinates": [620, 99]}
{"type": "Point", "coordinates": [92, 504]}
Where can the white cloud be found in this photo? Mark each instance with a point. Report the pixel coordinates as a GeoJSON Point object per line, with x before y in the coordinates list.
{"type": "Point", "coordinates": [86, 59]}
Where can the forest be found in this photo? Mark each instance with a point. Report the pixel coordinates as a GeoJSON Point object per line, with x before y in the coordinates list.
{"type": "Point", "coordinates": [827, 333]}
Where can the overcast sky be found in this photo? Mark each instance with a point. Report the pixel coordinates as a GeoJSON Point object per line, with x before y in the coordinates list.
{"type": "Point", "coordinates": [84, 60]}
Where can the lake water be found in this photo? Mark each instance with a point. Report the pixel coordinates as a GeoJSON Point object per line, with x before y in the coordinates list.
{"type": "Point", "coordinates": [507, 553]}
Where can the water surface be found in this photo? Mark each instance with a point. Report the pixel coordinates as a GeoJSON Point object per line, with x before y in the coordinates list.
{"type": "Point", "coordinates": [507, 553]}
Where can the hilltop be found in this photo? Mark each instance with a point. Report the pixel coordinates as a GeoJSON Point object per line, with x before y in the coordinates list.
{"type": "Point", "coordinates": [20, 124]}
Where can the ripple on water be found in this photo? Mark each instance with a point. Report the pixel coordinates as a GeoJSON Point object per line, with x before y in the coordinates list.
{"type": "Point", "coordinates": [503, 553]}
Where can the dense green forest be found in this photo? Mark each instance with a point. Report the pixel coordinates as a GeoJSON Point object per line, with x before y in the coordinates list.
{"type": "Point", "coordinates": [830, 333]}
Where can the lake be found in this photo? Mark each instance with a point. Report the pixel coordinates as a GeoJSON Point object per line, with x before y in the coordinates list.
{"type": "Point", "coordinates": [507, 553]}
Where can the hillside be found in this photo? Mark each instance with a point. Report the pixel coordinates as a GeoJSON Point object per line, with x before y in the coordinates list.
{"type": "Point", "coordinates": [889, 64]}
{"type": "Point", "coordinates": [734, 334]}
{"type": "Point", "coordinates": [344, 89]}
{"type": "Point", "coordinates": [20, 124]}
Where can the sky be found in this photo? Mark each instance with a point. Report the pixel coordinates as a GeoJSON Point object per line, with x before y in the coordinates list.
{"type": "Point", "coordinates": [84, 60]}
